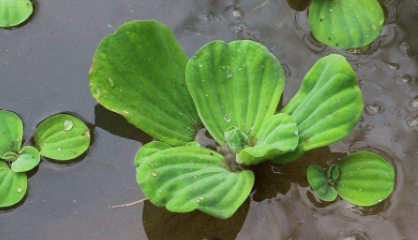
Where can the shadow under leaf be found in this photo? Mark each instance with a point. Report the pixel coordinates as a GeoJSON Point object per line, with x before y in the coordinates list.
{"type": "Point", "coordinates": [299, 5]}
{"type": "Point", "coordinates": [160, 224]}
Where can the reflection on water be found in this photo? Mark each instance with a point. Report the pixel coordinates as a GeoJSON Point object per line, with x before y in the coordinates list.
{"type": "Point", "coordinates": [44, 70]}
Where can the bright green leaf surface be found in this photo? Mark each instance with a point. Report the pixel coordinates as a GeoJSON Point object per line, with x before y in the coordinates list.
{"type": "Point", "coordinates": [346, 24]}
{"type": "Point", "coordinates": [13, 186]}
{"type": "Point", "coordinates": [14, 12]}
{"type": "Point", "coordinates": [279, 136]}
{"type": "Point", "coordinates": [28, 159]}
{"type": "Point", "coordinates": [62, 137]}
{"type": "Point", "coordinates": [319, 183]}
{"type": "Point", "coordinates": [235, 85]}
{"type": "Point", "coordinates": [333, 172]}
{"type": "Point", "coordinates": [148, 150]}
{"type": "Point", "coordinates": [365, 179]}
{"type": "Point", "coordinates": [188, 178]}
{"type": "Point", "coordinates": [138, 72]}
{"type": "Point", "coordinates": [326, 108]}
{"type": "Point", "coordinates": [11, 132]}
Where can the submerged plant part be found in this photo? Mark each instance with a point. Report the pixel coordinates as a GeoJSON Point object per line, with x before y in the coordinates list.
{"type": "Point", "coordinates": [233, 89]}
{"type": "Point", "coordinates": [361, 178]}
{"type": "Point", "coordinates": [346, 24]}
{"type": "Point", "coordinates": [52, 137]}
{"type": "Point", "coordinates": [14, 12]}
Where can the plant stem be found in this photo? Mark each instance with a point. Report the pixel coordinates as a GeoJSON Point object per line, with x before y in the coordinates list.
{"type": "Point", "coordinates": [128, 204]}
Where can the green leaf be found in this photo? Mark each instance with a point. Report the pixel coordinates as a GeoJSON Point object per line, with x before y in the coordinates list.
{"type": "Point", "coordinates": [184, 179]}
{"type": "Point", "coordinates": [236, 139]}
{"type": "Point", "coordinates": [280, 136]}
{"type": "Point", "coordinates": [148, 150]}
{"type": "Point", "coordinates": [10, 156]}
{"type": "Point", "coordinates": [138, 72]}
{"type": "Point", "coordinates": [13, 186]}
{"type": "Point", "coordinates": [14, 12]}
{"type": "Point", "coordinates": [319, 183]}
{"type": "Point", "coordinates": [365, 179]}
{"type": "Point", "coordinates": [235, 85]}
{"type": "Point", "coordinates": [333, 172]}
{"type": "Point", "coordinates": [62, 137]}
{"type": "Point", "coordinates": [326, 108]}
{"type": "Point", "coordinates": [27, 159]}
{"type": "Point", "coordinates": [11, 132]}
{"type": "Point", "coordinates": [346, 24]}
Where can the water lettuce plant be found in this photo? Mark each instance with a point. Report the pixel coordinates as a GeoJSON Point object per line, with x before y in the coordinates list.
{"type": "Point", "coordinates": [346, 24]}
{"type": "Point", "coordinates": [14, 12]}
{"type": "Point", "coordinates": [231, 89]}
{"type": "Point", "coordinates": [61, 137]}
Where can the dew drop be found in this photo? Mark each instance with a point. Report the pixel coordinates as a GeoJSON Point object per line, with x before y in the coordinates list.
{"type": "Point", "coordinates": [111, 82]}
{"type": "Point", "coordinates": [373, 109]}
{"type": "Point", "coordinates": [68, 125]}
{"type": "Point", "coordinates": [19, 189]}
{"type": "Point", "coordinates": [59, 149]}
{"type": "Point", "coordinates": [154, 173]}
{"type": "Point", "coordinates": [227, 119]}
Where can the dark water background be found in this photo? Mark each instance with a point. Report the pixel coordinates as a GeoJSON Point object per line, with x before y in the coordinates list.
{"type": "Point", "coordinates": [44, 70]}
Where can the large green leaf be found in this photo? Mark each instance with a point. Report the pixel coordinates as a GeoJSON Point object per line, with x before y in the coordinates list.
{"type": "Point", "coordinates": [188, 178]}
{"type": "Point", "coordinates": [11, 132]}
{"type": "Point", "coordinates": [326, 108]}
{"type": "Point", "coordinates": [148, 150]}
{"type": "Point", "coordinates": [279, 136]}
{"type": "Point", "coordinates": [14, 12]}
{"type": "Point", "coordinates": [27, 159]}
{"type": "Point", "coordinates": [138, 72]}
{"type": "Point", "coordinates": [346, 24]}
{"type": "Point", "coordinates": [365, 179]}
{"type": "Point", "coordinates": [13, 186]}
{"type": "Point", "coordinates": [319, 183]}
{"type": "Point", "coordinates": [62, 137]}
{"type": "Point", "coordinates": [235, 85]}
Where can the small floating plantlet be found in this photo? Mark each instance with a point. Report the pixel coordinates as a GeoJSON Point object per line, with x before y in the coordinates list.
{"type": "Point", "coordinates": [346, 24]}
{"type": "Point", "coordinates": [14, 12]}
{"type": "Point", "coordinates": [60, 137]}
{"type": "Point", "coordinates": [231, 89]}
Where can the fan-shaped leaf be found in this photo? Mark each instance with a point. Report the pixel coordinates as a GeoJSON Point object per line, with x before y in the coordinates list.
{"type": "Point", "coordinates": [148, 150]}
{"type": "Point", "coordinates": [188, 178]}
{"type": "Point", "coordinates": [327, 106]}
{"type": "Point", "coordinates": [365, 179]}
{"type": "Point", "coordinates": [279, 136]}
{"type": "Point", "coordinates": [27, 159]}
{"type": "Point", "coordinates": [138, 72]}
{"type": "Point", "coordinates": [14, 12]}
{"type": "Point", "coordinates": [346, 24]}
{"type": "Point", "coordinates": [62, 137]}
{"type": "Point", "coordinates": [13, 186]}
{"type": "Point", "coordinates": [235, 85]}
{"type": "Point", "coordinates": [319, 183]}
{"type": "Point", "coordinates": [11, 132]}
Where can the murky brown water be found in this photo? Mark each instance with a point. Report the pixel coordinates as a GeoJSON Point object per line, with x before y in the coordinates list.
{"type": "Point", "coordinates": [44, 70]}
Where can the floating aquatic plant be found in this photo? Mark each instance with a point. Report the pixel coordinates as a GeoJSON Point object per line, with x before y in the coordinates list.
{"type": "Point", "coordinates": [231, 89]}
{"type": "Point", "coordinates": [14, 12]}
{"type": "Point", "coordinates": [346, 24]}
{"type": "Point", "coordinates": [60, 137]}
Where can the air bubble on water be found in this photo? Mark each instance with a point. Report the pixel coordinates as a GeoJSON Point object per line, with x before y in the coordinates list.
{"type": "Point", "coordinates": [414, 103]}
{"type": "Point", "coordinates": [373, 109]}
{"type": "Point", "coordinates": [413, 123]}
{"type": "Point", "coordinates": [392, 66]}
{"type": "Point", "coordinates": [68, 125]}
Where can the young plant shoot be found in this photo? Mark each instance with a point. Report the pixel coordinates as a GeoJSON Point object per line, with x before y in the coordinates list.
{"type": "Point", "coordinates": [346, 24]}
{"type": "Point", "coordinates": [60, 137]}
{"type": "Point", "coordinates": [231, 89]}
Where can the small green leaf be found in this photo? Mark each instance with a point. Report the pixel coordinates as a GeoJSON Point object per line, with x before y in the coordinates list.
{"type": "Point", "coordinates": [148, 150]}
{"type": "Point", "coordinates": [14, 12]}
{"type": "Point", "coordinates": [138, 72]}
{"type": "Point", "coordinates": [188, 178]}
{"type": "Point", "coordinates": [346, 24]}
{"type": "Point", "coordinates": [319, 183]}
{"type": "Point", "coordinates": [333, 172]}
{"type": "Point", "coordinates": [235, 84]}
{"type": "Point", "coordinates": [236, 139]}
{"type": "Point", "coordinates": [62, 137]}
{"type": "Point", "coordinates": [13, 186]}
{"type": "Point", "coordinates": [326, 108]}
{"type": "Point", "coordinates": [10, 156]}
{"type": "Point", "coordinates": [193, 144]}
{"type": "Point", "coordinates": [280, 136]}
{"type": "Point", "coordinates": [27, 159]}
{"type": "Point", "coordinates": [365, 179]}
{"type": "Point", "coordinates": [11, 132]}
